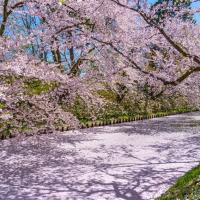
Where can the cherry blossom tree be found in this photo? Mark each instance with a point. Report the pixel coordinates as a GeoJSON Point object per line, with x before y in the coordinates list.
{"type": "Point", "coordinates": [173, 43]}
{"type": "Point", "coordinates": [77, 43]}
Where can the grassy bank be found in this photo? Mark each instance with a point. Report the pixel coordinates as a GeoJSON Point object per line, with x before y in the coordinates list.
{"type": "Point", "coordinates": [113, 109]}
{"type": "Point", "coordinates": [186, 187]}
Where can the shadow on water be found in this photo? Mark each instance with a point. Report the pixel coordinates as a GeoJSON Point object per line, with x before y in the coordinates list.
{"type": "Point", "coordinates": [53, 167]}
{"type": "Point", "coordinates": [170, 124]}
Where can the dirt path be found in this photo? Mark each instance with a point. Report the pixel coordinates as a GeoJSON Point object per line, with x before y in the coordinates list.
{"type": "Point", "coordinates": [132, 161]}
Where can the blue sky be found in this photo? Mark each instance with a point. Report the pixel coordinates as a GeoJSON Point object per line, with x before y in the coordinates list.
{"type": "Point", "coordinates": [197, 5]}
{"type": "Point", "coordinates": [194, 5]}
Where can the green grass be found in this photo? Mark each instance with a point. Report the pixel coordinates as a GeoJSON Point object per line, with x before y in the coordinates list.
{"type": "Point", "coordinates": [108, 95]}
{"type": "Point", "coordinates": [4, 129]}
{"type": "Point", "coordinates": [8, 79]}
{"type": "Point", "coordinates": [186, 186]}
{"type": "Point", "coordinates": [31, 86]}
{"type": "Point", "coordinates": [114, 113]}
{"type": "Point", "coordinates": [2, 105]}
{"type": "Point", "coordinates": [37, 87]}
